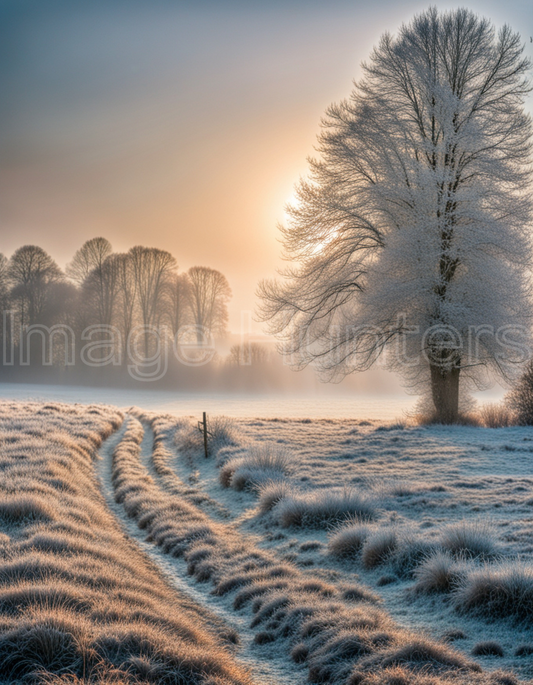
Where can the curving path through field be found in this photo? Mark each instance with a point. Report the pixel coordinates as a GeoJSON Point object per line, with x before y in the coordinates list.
{"type": "Point", "coordinates": [266, 667]}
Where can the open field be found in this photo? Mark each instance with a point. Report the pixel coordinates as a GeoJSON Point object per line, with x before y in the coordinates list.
{"type": "Point", "coordinates": [329, 551]}
{"type": "Point", "coordinates": [339, 405]}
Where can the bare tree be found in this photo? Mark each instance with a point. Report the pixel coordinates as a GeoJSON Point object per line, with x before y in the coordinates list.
{"type": "Point", "coordinates": [91, 255]}
{"type": "Point", "coordinates": [151, 270]}
{"type": "Point", "coordinates": [210, 293]}
{"type": "Point", "coordinates": [251, 354]}
{"type": "Point", "coordinates": [4, 290]}
{"type": "Point", "coordinates": [126, 294]}
{"type": "Point", "coordinates": [178, 292]}
{"type": "Point", "coordinates": [30, 273]}
{"type": "Point", "coordinates": [413, 226]}
{"type": "Point", "coordinates": [100, 289]}
{"type": "Point", "coordinates": [4, 280]}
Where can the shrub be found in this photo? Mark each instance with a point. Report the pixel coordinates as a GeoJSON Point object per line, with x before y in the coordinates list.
{"type": "Point", "coordinates": [520, 399]}
{"type": "Point", "coordinates": [348, 540]}
{"type": "Point", "coordinates": [469, 540]}
{"type": "Point", "coordinates": [222, 432]}
{"type": "Point", "coordinates": [495, 416]}
{"type": "Point", "coordinates": [378, 548]}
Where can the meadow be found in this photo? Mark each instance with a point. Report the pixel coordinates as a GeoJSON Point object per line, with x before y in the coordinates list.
{"type": "Point", "coordinates": [301, 550]}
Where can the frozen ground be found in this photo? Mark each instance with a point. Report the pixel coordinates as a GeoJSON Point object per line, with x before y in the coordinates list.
{"type": "Point", "coordinates": [266, 570]}
{"type": "Point", "coordinates": [423, 479]}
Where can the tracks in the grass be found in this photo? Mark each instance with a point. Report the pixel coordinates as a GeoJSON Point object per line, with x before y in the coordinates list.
{"type": "Point", "coordinates": [267, 668]}
{"type": "Point", "coordinates": [173, 482]}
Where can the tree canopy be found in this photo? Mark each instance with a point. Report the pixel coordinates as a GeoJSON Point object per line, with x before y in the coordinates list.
{"type": "Point", "coordinates": [412, 230]}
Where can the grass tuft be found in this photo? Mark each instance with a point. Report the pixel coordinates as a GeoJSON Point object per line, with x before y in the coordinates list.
{"type": "Point", "coordinates": [497, 591]}
{"type": "Point", "coordinates": [470, 540]}
{"type": "Point", "coordinates": [25, 508]}
{"type": "Point", "coordinates": [347, 541]}
{"type": "Point", "coordinates": [261, 464]}
{"type": "Point", "coordinates": [438, 573]}
{"type": "Point", "coordinates": [313, 509]}
{"type": "Point", "coordinates": [488, 648]}
{"type": "Point", "coordinates": [379, 548]}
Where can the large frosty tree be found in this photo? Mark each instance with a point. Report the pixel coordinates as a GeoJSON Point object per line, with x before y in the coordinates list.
{"type": "Point", "coordinates": [411, 234]}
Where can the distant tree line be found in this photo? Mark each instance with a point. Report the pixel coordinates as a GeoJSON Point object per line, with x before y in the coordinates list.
{"type": "Point", "coordinates": [102, 300]}
{"type": "Point", "coordinates": [115, 319]}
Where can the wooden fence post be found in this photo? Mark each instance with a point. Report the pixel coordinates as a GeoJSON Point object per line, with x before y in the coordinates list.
{"type": "Point", "coordinates": [202, 427]}
{"type": "Point", "coordinates": [205, 434]}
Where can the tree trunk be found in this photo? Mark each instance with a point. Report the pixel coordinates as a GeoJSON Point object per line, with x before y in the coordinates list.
{"type": "Point", "coordinates": [445, 392]}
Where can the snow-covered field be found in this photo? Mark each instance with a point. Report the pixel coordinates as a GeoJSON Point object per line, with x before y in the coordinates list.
{"type": "Point", "coordinates": [357, 552]}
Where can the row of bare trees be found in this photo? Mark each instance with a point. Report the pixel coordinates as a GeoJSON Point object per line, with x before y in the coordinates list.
{"type": "Point", "coordinates": [100, 287]}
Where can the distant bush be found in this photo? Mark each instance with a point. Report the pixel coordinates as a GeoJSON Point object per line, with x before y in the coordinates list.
{"type": "Point", "coordinates": [496, 416]}
{"type": "Point", "coordinates": [324, 506]}
{"type": "Point", "coordinates": [520, 399]}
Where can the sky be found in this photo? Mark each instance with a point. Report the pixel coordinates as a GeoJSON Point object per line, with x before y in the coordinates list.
{"type": "Point", "coordinates": [178, 125]}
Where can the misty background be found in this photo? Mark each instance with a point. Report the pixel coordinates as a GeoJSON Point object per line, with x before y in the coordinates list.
{"type": "Point", "coordinates": [178, 125]}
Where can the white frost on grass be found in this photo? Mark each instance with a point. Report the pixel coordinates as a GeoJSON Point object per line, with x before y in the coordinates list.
{"type": "Point", "coordinates": [79, 602]}
{"type": "Point", "coordinates": [429, 481]}
{"type": "Point", "coordinates": [322, 507]}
